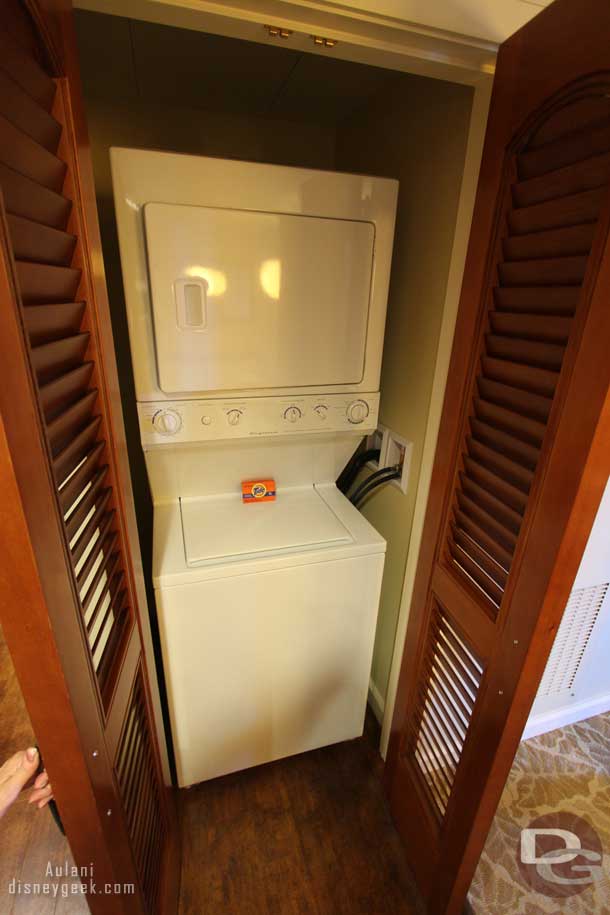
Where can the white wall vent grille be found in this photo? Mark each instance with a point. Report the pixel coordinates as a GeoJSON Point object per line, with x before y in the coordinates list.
{"type": "Point", "coordinates": [574, 633]}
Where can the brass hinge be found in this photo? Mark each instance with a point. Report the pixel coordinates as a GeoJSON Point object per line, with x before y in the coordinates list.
{"type": "Point", "coordinates": [324, 42]}
{"type": "Point", "coordinates": [276, 31]}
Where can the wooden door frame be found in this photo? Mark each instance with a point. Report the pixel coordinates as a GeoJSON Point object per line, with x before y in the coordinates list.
{"type": "Point", "coordinates": [56, 22]}
{"type": "Point", "coordinates": [557, 529]}
{"type": "Point", "coordinates": [39, 611]}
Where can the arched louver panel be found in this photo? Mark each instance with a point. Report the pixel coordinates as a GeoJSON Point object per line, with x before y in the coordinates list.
{"type": "Point", "coordinates": [559, 182]}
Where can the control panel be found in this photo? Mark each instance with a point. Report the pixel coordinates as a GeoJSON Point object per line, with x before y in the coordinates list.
{"type": "Point", "coordinates": [213, 420]}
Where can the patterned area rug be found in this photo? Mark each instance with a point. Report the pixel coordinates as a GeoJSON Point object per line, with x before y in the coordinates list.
{"type": "Point", "coordinates": [567, 770]}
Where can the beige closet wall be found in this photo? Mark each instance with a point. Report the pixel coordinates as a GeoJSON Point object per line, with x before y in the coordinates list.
{"type": "Point", "coordinates": [417, 133]}
{"type": "Point", "coordinates": [415, 130]}
{"type": "Point", "coordinates": [121, 113]}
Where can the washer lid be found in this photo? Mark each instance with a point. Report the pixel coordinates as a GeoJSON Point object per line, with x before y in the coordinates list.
{"type": "Point", "coordinates": [223, 528]}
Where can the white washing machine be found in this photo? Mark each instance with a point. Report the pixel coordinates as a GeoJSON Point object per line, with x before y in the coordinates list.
{"type": "Point", "coordinates": [256, 303]}
{"type": "Point", "coordinates": [267, 622]}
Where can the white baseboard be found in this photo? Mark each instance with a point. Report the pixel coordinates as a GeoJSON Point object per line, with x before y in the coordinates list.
{"type": "Point", "coordinates": [376, 701]}
{"type": "Point", "coordinates": [569, 714]}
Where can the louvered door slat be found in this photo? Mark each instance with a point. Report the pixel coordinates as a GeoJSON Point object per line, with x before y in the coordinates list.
{"type": "Point", "coordinates": [81, 477]}
{"type": "Point", "coordinates": [515, 473]}
{"type": "Point", "coordinates": [571, 179]}
{"type": "Point", "coordinates": [33, 241]}
{"type": "Point", "coordinates": [487, 542]}
{"type": "Point", "coordinates": [25, 197]}
{"type": "Point", "coordinates": [447, 717]}
{"type": "Point", "coordinates": [100, 583]}
{"type": "Point", "coordinates": [506, 517]}
{"type": "Point", "coordinates": [539, 355]}
{"type": "Point", "coordinates": [435, 740]}
{"type": "Point", "coordinates": [475, 572]}
{"type": "Point", "coordinates": [65, 390]}
{"type": "Point", "coordinates": [55, 358]}
{"type": "Point", "coordinates": [552, 210]}
{"type": "Point", "coordinates": [568, 241]}
{"type": "Point", "coordinates": [515, 449]}
{"type": "Point", "coordinates": [134, 760]}
{"type": "Point", "coordinates": [114, 604]}
{"type": "Point", "coordinates": [46, 323]}
{"type": "Point", "coordinates": [474, 509]}
{"type": "Point", "coordinates": [510, 495]}
{"type": "Point", "coordinates": [86, 503]}
{"type": "Point", "coordinates": [114, 634]}
{"type": "Point", "coordinates": [460, 711]}
{"type": "Point", "coordinates": [565, 271]}
{"type": "Point", "coordinates": [566, 211]}
{"type": "Point", "coordinates": [515, 399]}
{"type": "Point", "coordinates": [463, 657]}
{"type": "Point", "coordinates": [520, 375]}
{"type": "Point", "coordinates": [448, 667]}
{"type": "Point", "coordinates": [434, 765]}
{"type": "Point", "coordinates": [488, 564]}
{"type": "Point", "coordinates": [450, 676]}
{"type": "Point", "coordinates": [548, 300]}
{"type": "Point", "coordinates": [62, 428]}
{"type": "Point", "coordinates": [24, 155]}
{"type": "Point", "coordinates": [571, 148]}
{"type": "Point", "coordinates": [517, 425]}
{"type": "Point", "coordinates": [550, 328]}
{"type": "Point", "coordinates": [26, 73]}
{"type": "Point", "coordinates": [578, 118]}
{"type": "Point", "coordinates": [95, 555]}
{"type": "Point", "coordinates": [46, 283]}
{"type": "Point", "coordinates": [84, 540]}
{"type": "Point", "coordinates": [69, 459]}
{"type": "Point", "coordinates": [24, 113]}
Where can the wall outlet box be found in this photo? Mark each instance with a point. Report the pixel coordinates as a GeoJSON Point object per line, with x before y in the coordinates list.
{"type": "Point", "coordinates": [397, 450]}
{"type": "Point", "coordinates": [394, 449]}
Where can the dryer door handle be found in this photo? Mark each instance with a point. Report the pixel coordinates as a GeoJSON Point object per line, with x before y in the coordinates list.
{"type": "Point", "coordinates": [191, 295]}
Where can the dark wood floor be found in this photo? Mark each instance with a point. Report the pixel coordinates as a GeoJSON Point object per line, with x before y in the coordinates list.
{"type": "Point", "coordinates": [309, 835]}
{"type": "Point", "coordinates": [29, 838]}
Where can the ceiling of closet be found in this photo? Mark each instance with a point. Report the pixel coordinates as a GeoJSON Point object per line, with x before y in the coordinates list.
{"type": "Point", "coordinates": [124, 58]}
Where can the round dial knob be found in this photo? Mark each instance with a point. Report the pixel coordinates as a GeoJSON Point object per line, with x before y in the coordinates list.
{"type": "Point", "coordinates": [167, 422]}
{"type": "Point", "coordinates": [233, 417]}
{"type": "Point", "coordinates": [292, 414]}
{"type": "Point", "coordinates": [357, 411]}
{"type": "Point", "coordinates": [322, 410]}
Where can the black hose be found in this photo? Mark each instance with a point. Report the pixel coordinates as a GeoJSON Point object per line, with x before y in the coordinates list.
{"type": "Point", "coordinates": [352, 469]}
{"type": "Point", "coordinates": [389, 472]}
{"type": "Point", "coordinates": [395, 475]}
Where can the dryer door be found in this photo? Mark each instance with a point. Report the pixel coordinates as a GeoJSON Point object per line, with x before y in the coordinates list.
{"type": "Point", "coordinates": [249, 300]}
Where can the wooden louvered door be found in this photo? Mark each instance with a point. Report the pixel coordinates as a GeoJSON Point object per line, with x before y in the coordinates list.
{"type": "Point", "coordinates": [523, 451]}
{"type": "Point", "coordinates": [65, 452]}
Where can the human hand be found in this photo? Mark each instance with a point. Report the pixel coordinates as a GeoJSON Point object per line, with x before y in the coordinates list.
{"type": "Point", "coordinates": [42, 792]}
{"type": "Point", "coordinates": [15, 773]}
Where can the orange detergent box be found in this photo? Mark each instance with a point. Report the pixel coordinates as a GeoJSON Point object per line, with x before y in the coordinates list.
{"type": "Point", "coordinates": [258, 491]}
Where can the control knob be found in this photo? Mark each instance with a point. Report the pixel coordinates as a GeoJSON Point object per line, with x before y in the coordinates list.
{"type": "Point", "coordinates": [167, 422]}
{"type": "Point", "coordinates": [322, 410]}
{"type": "Point", "coordinates": [292, 414]}
{"type": "Point", "coordinates": [357, 411]}
{"type": "Point", "coordinates": [233, 417]}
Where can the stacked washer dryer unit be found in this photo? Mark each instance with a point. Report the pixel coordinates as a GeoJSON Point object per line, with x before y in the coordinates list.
{"type": "Point", "coordinates": [256, 299]}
